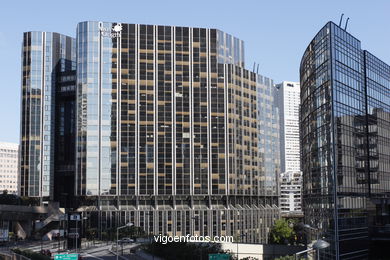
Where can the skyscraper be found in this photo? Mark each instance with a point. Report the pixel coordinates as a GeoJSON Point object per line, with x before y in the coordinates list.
{"type": "Point", "coordinates": [45, 55]}
{"type": "Point", "coordinates": [167, 133]}
{"type": "Point", "coordinates": [287, 100]}
{"type": "Point", "coordinates": [345, 141]}
{"type": "Point", "coordinates": [268, 134]}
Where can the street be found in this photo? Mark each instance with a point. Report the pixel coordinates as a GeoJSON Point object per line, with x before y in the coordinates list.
{"type": "Point", "coordinates": [104, 252]}
{"type": "Point", "coordinates": [89, 250]}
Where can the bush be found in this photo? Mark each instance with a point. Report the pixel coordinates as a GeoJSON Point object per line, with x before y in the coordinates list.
{"type": "Point", "coordinates": [12, 199]}
{"type": "Point", "coordinates": [30, 254]}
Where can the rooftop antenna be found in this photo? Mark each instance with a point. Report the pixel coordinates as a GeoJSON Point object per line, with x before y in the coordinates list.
{"type": "Point", "coordinates": [341, 19]}
{"type": "Point", "coordinates": [346, 24]}
{"type": "Point", "coordinates": [257, 70]}
{"type": "Point", "coordinates": [254, 65]}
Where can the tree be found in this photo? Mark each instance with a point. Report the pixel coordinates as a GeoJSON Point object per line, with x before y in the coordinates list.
{"type": "Point", "coordinates": [281, 232]}
{"type": "Point", "coordinates": [12, 199]}
{"type": "Point", "coordinates": [133, 232]}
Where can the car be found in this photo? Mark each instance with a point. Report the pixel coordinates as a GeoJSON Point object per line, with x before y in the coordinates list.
{"type": "Point", "coordinates": [126, 240]}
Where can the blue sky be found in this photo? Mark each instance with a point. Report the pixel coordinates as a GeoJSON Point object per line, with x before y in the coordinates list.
{"type": "Point", "coordinates": [275, 32]}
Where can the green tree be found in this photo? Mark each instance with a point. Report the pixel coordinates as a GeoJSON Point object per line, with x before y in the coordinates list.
{"type": "Point", "coordinates": [12, 199]}
{"type": "Point", "coordinates": [133, 232]}
{"type": "Point", "coordinates": [281, 232]}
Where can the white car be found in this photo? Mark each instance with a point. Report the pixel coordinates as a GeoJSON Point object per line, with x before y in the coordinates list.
{"type": "Point", "coordinates": [126, 240]}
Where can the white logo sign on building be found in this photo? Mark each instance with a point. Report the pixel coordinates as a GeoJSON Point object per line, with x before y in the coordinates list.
{"type": "Point", "coordinates": [112, 32]}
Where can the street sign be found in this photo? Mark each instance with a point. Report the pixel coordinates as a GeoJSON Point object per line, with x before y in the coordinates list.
{"type": "Point", "coordinates": [75, 217]}
{"type": "Point", "coordinates": [73, 235]}
{"type": "Point", "coordinates": [219, 257]}
{"type": "Point", "coordinates": [66, 257]}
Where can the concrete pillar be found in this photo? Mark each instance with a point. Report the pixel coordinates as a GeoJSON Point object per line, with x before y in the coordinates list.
{"type": "Point", "coordinates": [23, 229]}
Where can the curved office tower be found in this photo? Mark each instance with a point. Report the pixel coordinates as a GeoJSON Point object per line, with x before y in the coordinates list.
{"type": "Point", "coordinates": [167, 132]}
{"type": "Point", "coordinates": [345, 142]}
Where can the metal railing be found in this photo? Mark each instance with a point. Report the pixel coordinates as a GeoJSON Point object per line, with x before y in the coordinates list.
{"type": "Point", "coordinates": [12, 256]}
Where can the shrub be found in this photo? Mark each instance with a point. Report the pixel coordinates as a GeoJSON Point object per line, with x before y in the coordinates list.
{"type": "Point", "coordinates": [30, 254]}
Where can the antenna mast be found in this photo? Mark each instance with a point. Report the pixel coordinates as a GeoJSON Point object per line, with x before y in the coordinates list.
{"type": "Point", "coordinates": [346, 24]}
{"type": "Point", "coordinates": [341, 20]}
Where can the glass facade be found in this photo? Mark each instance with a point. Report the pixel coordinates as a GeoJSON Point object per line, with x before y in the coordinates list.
{"type": "Point", "coordinates": [65, 137]}
{"type": "Point", "coordinates": [268, 136]}
{"type": "Point", "coordinates": [147, 86]}
{"type": "Point", "coordinates": [344, 154]}
{"type": "Point", "coordinates": [163, 122]}
{"type": "Point", "coordinates": [44, 55]}
{"type": "Point", "coordinates": [167, 130]}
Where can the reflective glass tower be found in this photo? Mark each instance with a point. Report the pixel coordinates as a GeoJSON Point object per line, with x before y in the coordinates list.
{"type": "Point", "coordinates": [167, 134]}
{"type": "Point", "coordinates": [162, 126]}
{"type": "Point", "coordinates": [345, 142]}
{"type": "Point", "coordinates": [45, 55]}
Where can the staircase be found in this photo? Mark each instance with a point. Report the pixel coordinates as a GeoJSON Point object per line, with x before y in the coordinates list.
{"type": "Point", "coordinates": [55, 215]}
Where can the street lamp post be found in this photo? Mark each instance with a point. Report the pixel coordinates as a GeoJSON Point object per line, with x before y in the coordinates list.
{"type": "Point", "coordinates": [76, 233]}
{"type": "Point", "coordinates": [76, 218]}
{"type": "Point", "coordinates": [82, 228]}
{"type": "Point", "coordinates": [40, 221]}
{"type": "Point", "coordinates": [311, 228]}
{"type": "Point", "coordinates": [320, 244]}
{"type": "Point", "coordinates": [117, 236]}
{"type": "Point", "coordinates": [301, 252]}
{"type": "Point", "coordinates": [240, 236]}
